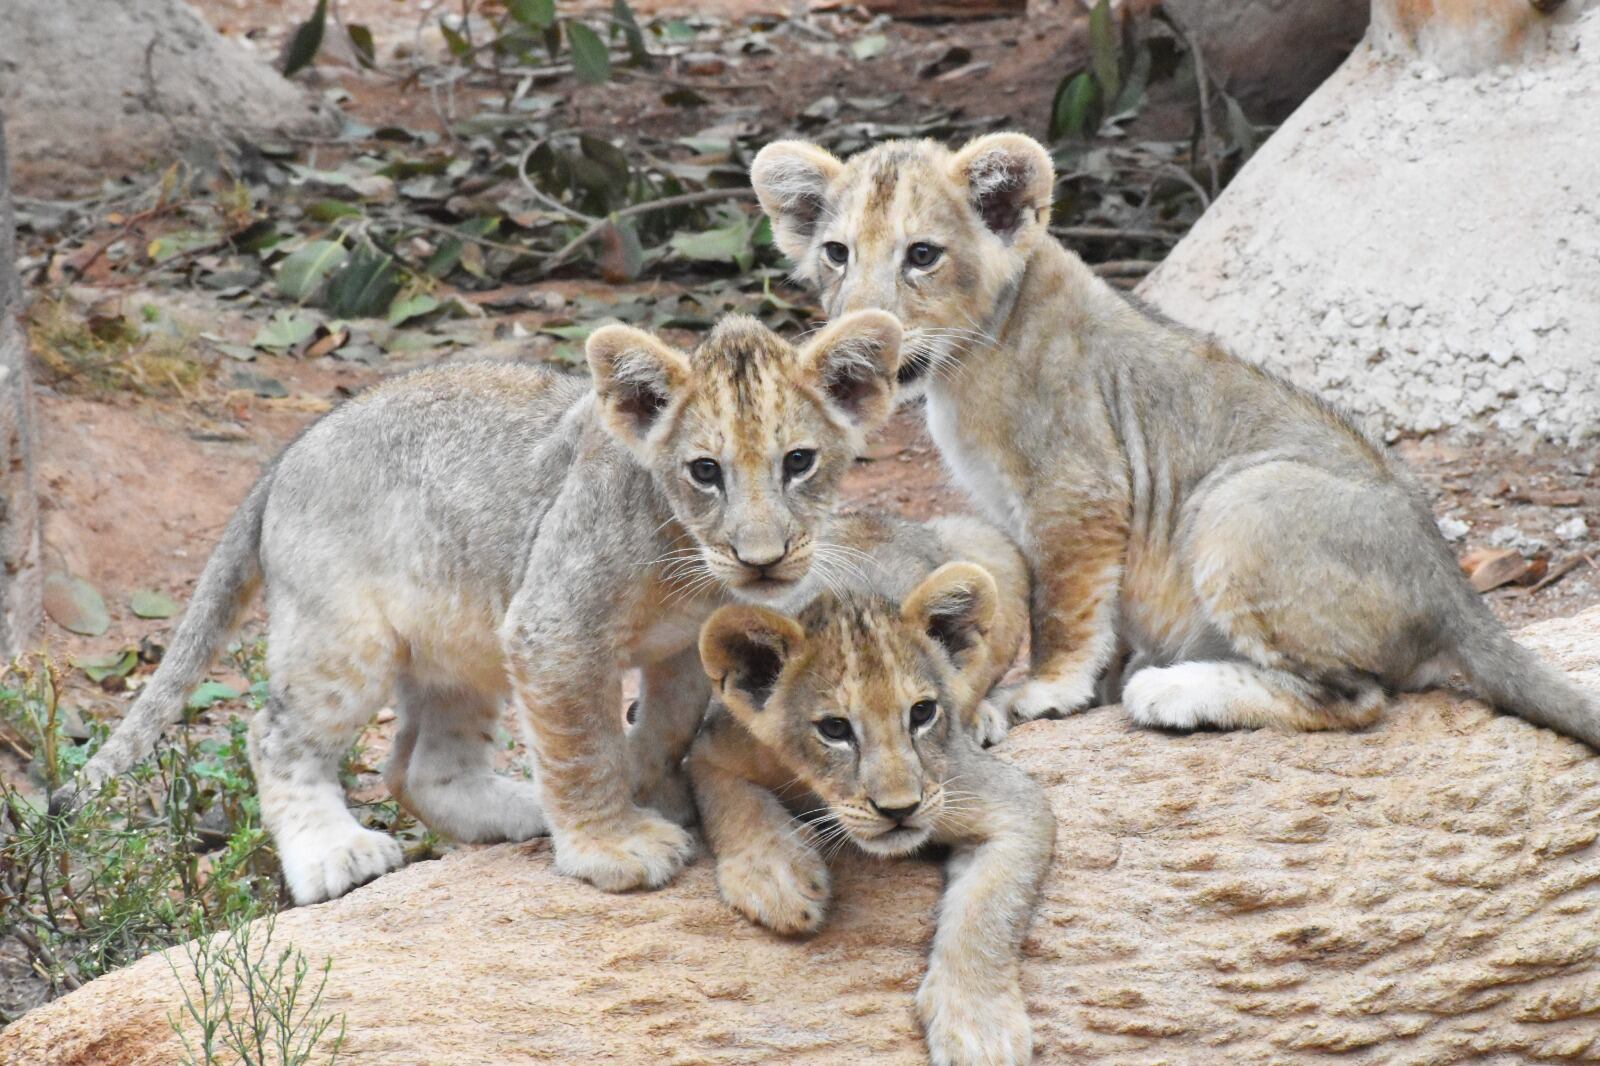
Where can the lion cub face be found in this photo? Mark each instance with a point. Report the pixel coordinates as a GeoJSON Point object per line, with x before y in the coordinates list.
{"type": "Point", "coordinates": [748, 436]}
{"type": "Point", "coordinates": [861, 698]}
{"type": "Point", "coordinates": [934, 236]}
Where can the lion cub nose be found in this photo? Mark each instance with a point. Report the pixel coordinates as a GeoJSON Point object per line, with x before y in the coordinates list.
{"type": "Point", "coordinates": [896, 814]}
{"type": "Point", "coordinates": [761, 558]}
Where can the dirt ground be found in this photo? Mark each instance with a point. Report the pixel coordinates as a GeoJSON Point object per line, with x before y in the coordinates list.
{"type": "Point", "coordinates": [134, 491]}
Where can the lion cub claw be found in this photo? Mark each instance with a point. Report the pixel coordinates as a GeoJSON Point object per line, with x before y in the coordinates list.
{"type": "Point", "coordinates": [642, 851]}
{"type": "Point", "coordinates": [785, 888]}
{"type": "Point", "coordinates": [968, 1027]}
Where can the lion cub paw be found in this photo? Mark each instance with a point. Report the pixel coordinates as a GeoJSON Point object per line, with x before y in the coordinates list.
{"type": "Point", "coordinates": [784, 888]}
{"type": "Point", "coordinates": [643, 850]}
{"type": "Point", "coordinates": [1042, 698]}
{"type": "Point", "coordinates": [991, 723]}
{"type": "Point", "coordinates": [966, 1027]}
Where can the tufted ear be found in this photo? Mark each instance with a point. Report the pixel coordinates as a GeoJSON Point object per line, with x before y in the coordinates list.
{"type": "Point", "coordinates": [955, 606]}
{"type": "Point", "coordinates": [743, 650]}
{"type": "Point", "coordinates": [1009, 180]}
{"type": "Point", "coordinates": [852, 362]}
{"type": "Point", "coordinates": [636, 378]}
{"type": "Point", "coordinates": [791, 180]}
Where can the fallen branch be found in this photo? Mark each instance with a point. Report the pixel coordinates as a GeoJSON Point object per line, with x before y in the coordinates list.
{"type": "Point", "coordinates": [704, 196]}
{"type": "Point", "coordinates": [1124, 268]}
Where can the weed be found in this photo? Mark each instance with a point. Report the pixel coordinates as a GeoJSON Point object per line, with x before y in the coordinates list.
{"type": "Point", "coordinates": [102, 351]}
{"type": "Point", "coordinates": [253, 1003]}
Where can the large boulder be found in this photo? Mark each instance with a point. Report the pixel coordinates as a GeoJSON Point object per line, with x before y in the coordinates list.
{"type": "Point", "coordinates": [1424, 892]}
{"type": "Point", "coordinates": [98, 87]}
{"type": "Point", "coordinates": [1421, 240]}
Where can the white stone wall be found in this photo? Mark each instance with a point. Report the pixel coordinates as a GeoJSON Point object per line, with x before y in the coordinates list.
{"type": "Point", "coordinates": [1423, 247]}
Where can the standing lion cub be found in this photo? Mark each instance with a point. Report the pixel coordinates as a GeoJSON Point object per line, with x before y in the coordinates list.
{"type": "Point", "coordinates": [468, 533]}
{"type": "Point", "coordinates": [1261, 560]}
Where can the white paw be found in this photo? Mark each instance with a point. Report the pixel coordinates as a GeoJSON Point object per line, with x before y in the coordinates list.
{"type": "Point", "coordinates": [643, 850]}
{"type": "Point", "coordinates": [319, 867]}
{"type": "Point", "coordinates": [991, 723]}
{"type": "Point", "coordinates": [1190, 695]}
{"type": "Point", "coordinates": [784, 888]}
{"type": "Point", "coordinates": [480, 808]}
{"type": "Point", "coordinates": [966, 1027]}
{"type": "Point", "coordinates": [1040, 698]}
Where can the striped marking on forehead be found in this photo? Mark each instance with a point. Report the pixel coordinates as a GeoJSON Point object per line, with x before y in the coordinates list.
{"type": "Point", "coordinates": [887, 186]}
{"type": "Point", "coordinates": [745, 381]}
{"type": "Point", "coordinates": [862, 637]}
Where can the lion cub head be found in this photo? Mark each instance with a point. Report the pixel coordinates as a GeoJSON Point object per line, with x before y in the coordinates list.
{"type": "Point", "coordinates": [937, 237]}
{"type": "Point", "coordinates": [861, 698]}
{"type": "Point", "coordinates": [748, 436]}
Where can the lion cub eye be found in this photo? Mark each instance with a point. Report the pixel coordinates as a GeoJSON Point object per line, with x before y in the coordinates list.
{"type": "Point", "coordinates": [798, 462]}
{"type": "Point", "coordinates": [922, 713]}
{"type": "Point", "coordinates": [923, 255]}
{"type": "Point", "coordinates": [833, 728]}
{"type": "Point", "coordinates": [706, 472]}
{"type": "Point", "coordinates": [837, 253]}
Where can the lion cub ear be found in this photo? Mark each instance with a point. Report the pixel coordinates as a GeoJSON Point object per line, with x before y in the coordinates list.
{"type": "Point", "coordinates": [791, 180]}
{"type": "Point", "coordinates": [852, 362]}
{"type": "Point", "coordinates": [636, 379]}
{"type": "Point", "coordinates": [1009, 180]}
{"type": "Point", "coordinates": [955, 606]}
{"type": "Point", "coordinates": [743, 650]}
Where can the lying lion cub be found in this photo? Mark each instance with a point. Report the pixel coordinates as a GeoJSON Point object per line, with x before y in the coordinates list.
{"type": "Point", "coordinates": [470, 532]}
{"type": "Point", "coordinates": [1262, 560]}
{"type": "Point", "coordinates": [866, 703]}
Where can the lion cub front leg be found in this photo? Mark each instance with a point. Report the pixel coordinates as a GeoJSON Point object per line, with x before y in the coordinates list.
{"type": "Point", "coordinates": [1077, 581]}
{"type": "Point", "coordinates": [767, 868]}
{"type": "Point", "coordinates": [672, 702]}
{"type": "Point", "coordinates": [970, 1003]}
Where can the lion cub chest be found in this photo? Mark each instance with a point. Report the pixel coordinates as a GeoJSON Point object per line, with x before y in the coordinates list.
{"type": "Point", "coordinates": [974, 468]}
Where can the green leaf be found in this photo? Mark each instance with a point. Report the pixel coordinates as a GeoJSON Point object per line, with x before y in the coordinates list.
{"type": "Point", "coordinates": [1105, 50]}
{"type": "Point", "coordinates": [286, 329]}
{"type": "Point", "coordinates": [300, 274]}
{"type": "Point", "coordinates": [75, 605]}
{"type": "Point", "coordinates": [113, 664]}
{"type": "Point", "coordinates": [535, 14]}
{"type": "Point", "coordinates": [147, 604]}
{"type": "Point", "coordinates": [402, 311]}
{"type": "Point", "coordinates": [365, 285]}
{"type": "Point", "coordinates": [307, 40]}
{"type": "Point", "coordinates": [1077, 100]}
{"type": "Point", "coordinates": [725, 244]}
{"type": "Point", "coordinates": [872, 45]}
{"type": "Point", "coordinates": [591, 60]}
{"type": "Point", "coordinates": [361, 41]}
{"type": "Point", "coordinates": [457, 44]}
{"type": "Point", "coordinates": [572, 332]}
{"type": "Point", "coordinates": [210, 693]}
{"type": "Point", "coordinates": [622, 17]}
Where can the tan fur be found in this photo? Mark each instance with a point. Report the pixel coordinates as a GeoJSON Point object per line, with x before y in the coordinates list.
{"type": "Point", "coordinates": [1248, 553]}
{"type": "Point", "coordinates": [864, 659]}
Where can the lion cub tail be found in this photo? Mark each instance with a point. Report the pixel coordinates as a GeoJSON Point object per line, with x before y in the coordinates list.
{"type": "Point", "coordinates": [1514, 679]}
{"type": "Point", "coordinates": [229, 579]}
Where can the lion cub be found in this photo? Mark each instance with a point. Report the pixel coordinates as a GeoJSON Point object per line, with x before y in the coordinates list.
{"type": "Point", "coordinates": [467, 533]}
{"type": "Point", "coordinates": [865, 703]}
{"type": "Point", "coordinates": [1256, 558]}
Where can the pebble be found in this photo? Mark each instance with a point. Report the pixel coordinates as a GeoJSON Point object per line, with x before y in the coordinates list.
{"type": "Point", "coordinates": [1573, 530]}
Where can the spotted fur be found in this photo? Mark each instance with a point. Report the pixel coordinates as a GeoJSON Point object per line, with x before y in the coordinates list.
{"type": "Point", "coordinates": [870, 657]}
{"type": "Point", "coordinates": [468, 533]}
{"type": "Point", "coordinates": [1241, 550]}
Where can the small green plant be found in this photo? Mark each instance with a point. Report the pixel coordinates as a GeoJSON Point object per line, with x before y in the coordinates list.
{"type": "Point", "coordinates": [103, 351]}
{"type": "Point", "coordinates": [253, 1005]}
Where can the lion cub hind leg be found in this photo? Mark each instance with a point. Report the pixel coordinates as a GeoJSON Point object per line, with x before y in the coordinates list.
{"type": "Point", "coordinates": [1242, 695]}
{"type": "Point", "coordinates": [325, 685]}
{"type": "Point", "coordinates": [447, 777]}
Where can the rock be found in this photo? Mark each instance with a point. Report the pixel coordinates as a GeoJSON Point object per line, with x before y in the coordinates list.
{"type": "Point", "coordinates": [1453, 528]}
{"type": "Point", "coordinates": [1427, 891]}
{"type": "Point", "coordinates": [20, 576]}
{"type": "Point", "coordinates": [1454, 301]}
{"type": "Point", "coordinates": [1573, 530]}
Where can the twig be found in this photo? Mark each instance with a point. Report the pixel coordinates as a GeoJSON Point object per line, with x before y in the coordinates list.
{"type": "Point", "coordinates": [1124, 268]}
{"type": "Point", "coordinates": [704, 196]}
{"type": "Point", "coordinates": [44, 955]}
{"type": "Point", "coordinates": [439, 227]}
{"type": "Point", "coordinates": [1111, 233]}
{"type": "Point", "coordinates": [1203, 86]}
{"type": "Point", "coordinates": [540, 195]}
{"type": "Point", "coordinates": [1561, 570]}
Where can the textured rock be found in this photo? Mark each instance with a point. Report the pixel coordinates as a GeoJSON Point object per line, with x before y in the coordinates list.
{"type": "Point", "coordinates": [1426, 892]}
{"type": "Point", "coordinates": [1421, 239]}
{"type": "Point", "coordinates": [19, 511]}
{"type": "Point", "coordinates": [97, 87]}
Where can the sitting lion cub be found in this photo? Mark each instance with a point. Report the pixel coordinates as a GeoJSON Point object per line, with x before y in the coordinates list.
{"type": "Point", "coordinates": [865, 702]}
{"type": "Point", "coordinates": [470, 532]}
{"type": "Point", "coordinates": [1262, 561]}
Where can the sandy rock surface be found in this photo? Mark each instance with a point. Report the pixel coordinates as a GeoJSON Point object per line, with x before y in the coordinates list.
{"type": "Point", "coordinates": [1426, 892]}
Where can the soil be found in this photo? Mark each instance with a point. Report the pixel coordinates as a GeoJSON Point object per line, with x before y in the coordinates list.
{"type": "Point", "coordinates": [134, 490]}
